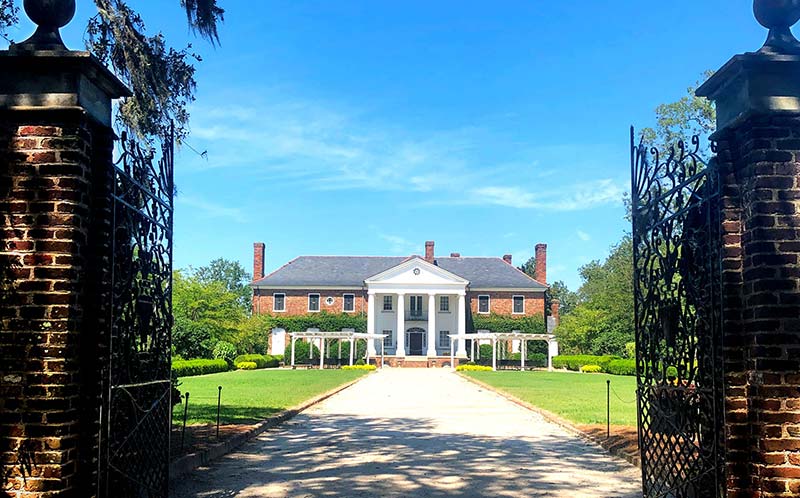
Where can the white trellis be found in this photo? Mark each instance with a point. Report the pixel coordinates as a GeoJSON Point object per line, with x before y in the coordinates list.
{"type": "Point", "coordinates": [323, 338]}
{"type": "Point", "coordinates": [493, 338]}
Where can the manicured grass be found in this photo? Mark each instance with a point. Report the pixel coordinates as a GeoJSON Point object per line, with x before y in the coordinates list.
{"type": "Point", "coordinates": [580, 398]}
{"type": "Point", "coordinates": [250, 396]}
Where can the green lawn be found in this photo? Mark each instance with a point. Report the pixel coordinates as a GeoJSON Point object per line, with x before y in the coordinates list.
{"type": "Point", "coordinates": [249, 396]}
{"type": "Point", "coordinates": [580, 398]}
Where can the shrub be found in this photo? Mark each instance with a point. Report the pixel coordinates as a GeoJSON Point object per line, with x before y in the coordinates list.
{"type": "Point", "coordinates": [361, 362]}
{"type": "Point", "coordinates": [591, 369]}
{"type": "Point", "coordinates": [473, 368]}
{"type": "Point", "coordinates": [368, 368]}
{"type": "Point", "coordinates": [188, 368]}
{"type": "Point", "coordinates": [630, 350]}
{"type": "Point", "coordinates": [246, 365]}
{"type": "Point", "coordinates": [278, 358]}
{"type": "Point", "coordinates": [224, 351]}
{"type": "Point", "coordinates": [261, 361]}
{"type": "Point", "coordinates": [576, 362]}
{"type": "Point", "coordinates": [301, 349]}
{"type": "Point", "coordinates": [622, 367]}
{"type": "Point", "coordinates": [532, 359]}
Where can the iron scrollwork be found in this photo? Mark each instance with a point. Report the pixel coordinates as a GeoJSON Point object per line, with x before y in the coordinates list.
{"type": "Point", "coordinates": [137, 407]}
{"type": "Point", "coordinates": [677, 287]}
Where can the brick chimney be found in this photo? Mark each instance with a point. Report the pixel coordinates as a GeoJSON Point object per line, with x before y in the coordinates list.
{"type": "Point", "coordinates": [455, 254]}
{"type": "Point", "coordinates": [541, 263]}
{"type": "Point", "coordinates": [555, 308]}
{"type": "Point", "coordinates": [507, 259]}
{"type": "Point", "coordinates": [429, 257]}
{"type": "Point", "coordinates": [259, 250]}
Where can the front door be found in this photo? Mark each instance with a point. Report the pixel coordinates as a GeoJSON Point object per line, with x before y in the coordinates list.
{"type": "Point", "coordinates": [416, 345]}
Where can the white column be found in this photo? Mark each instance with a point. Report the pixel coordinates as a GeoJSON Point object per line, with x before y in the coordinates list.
{"type": "Point", "coordinates": [431, 325]}
{"type": "Point", "coordinates": [462, 326]}
{"type": "Point", "coordinates": [401, 325]}
{"type": "Point", "coordinates": [523, 349]}
{"type": "Point", "coordinates": [452, 355]}
{"type": "Point", "coordinates": [371, 324]}
{"type": "Point", "coordinates": [321, 353]}
{"type": "Point", "coordinates": [352, 349]}
{"type": "Point", "coordinates": [494, 355]}
{"type": "Point", "coordinates": [293, 340]}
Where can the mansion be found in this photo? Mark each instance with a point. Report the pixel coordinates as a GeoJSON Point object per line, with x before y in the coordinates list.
{"type": "Point", "coordinates": [417, 302]}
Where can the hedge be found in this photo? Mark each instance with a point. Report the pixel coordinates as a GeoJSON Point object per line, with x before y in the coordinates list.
{"type": "Point", "coordinates": [576, 362]}
{"type": "Point", "coordinates": [360, 367]}
{"type": "Point", "coordinates": [506, 324]}
{"type": "Point", "coordinates": [591, 369]}
{"type": "Point", "coordinates": [246, 365]}
{"type": "Point", "coordinates": [622, 367]}
{"type": "Point", "coordinates": [533, 359]}
{"type": "Point", "coordinates": [261, 361]}
{"type": "Point", "coordinates": [473, 368]}
{"type": "Point", "coordinates": [189, 368]}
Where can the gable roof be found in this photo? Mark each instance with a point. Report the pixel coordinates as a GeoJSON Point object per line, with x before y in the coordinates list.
{"type": "Point", "coordinates": [417, 262]}
{"type": "Point", "coordinates": [352, 271]}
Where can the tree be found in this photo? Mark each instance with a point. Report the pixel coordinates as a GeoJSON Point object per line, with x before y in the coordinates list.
{"type": "Point", "coordinates": [233, 277]}
{"type": "Point", "coordinates": [682, 119]}
{"type": "Point", "coordinates": [567, 298]}
{"type": "Point", "coordinates": [161, 77]}
{"type": "Point", "coordinates": [529, 267]}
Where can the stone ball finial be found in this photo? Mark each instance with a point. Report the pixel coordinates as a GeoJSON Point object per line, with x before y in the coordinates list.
{"type": "Point", "coordinates": [778, 16]}
{"type": "Point", "coordinates": [50, 16]}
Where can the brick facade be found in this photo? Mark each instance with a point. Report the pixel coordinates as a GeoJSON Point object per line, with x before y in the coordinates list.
{"type": "Point", "coordinates": [502, 303]}
{"type": "Point", "coordinates": [53, 175]}
{"type": "Point", "coordinates": [297, 301]}
{"type": "Point", "coordinates": [760, 169]}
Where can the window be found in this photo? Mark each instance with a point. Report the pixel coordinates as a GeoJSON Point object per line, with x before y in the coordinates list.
{"type": "Point", "coordinates": [387, 340]}
{"type": "Point", "coordinates": [349, 302]}
{"type": "Point", "coordinates": [387, 303]}
{"type": "Point", "coordinates": [279, 302]}
{"type": "Point", "coordinates": [519, 305]}
{"type": "Point", "coordinates": [444, 303]}
{"type": "Point", "coordinates": [415, 306]}
{"type": "Point", "coordinates": [313, 302]}
{"type": "Point", "coordinates": [444, 338]}
{"type": "Point", "coordinates": [483, 304]}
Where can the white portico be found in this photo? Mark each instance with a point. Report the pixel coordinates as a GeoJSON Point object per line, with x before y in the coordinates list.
{"type": "Point", "coordinates": [417, 306]}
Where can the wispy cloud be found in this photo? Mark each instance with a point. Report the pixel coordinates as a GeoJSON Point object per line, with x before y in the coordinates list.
{"type": "Point", "coordinates": [210, 209]}
{"type": "Point", "coordinates": [320, 147]}
{"type": "Point", "coordinates": [583, 235]}
{"type": "Point", "coordinates": [567, 198]}
{"type": "Point", "coordinates": [397, 244]}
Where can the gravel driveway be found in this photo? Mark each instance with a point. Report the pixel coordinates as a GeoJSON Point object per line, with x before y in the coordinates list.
{"type": "Point", "coordinates": [415, 432]}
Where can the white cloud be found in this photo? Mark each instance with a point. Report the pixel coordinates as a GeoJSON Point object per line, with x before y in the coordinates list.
{"type": "Point", "coordinates": [567, 198]}
{"type": "Point", "coordinates": [583, 235]}
{"type": "Point", "coordinates": [397, 244]}
{"type": "Point", "coordinates": [210, 209]}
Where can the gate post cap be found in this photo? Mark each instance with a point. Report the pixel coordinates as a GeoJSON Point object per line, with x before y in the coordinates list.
{"type": "Point", "coordinates": [778, 16]}
{"type": "Point", "coordinates": [49, 16]}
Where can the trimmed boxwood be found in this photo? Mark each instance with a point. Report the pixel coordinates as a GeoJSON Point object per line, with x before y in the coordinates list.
{"type": "Point", "coordinates": [576, 362]}
{"type": "Point", "coordinates": [538, 360]}
{"type": "Point", "coordinates": [261, 360]}
{"type": "Point", "coordinates": [189, 368]}
{"type": "Point", "coordinates": [622, 367]}
{"type": "Point", "coordinates": [246, 365]}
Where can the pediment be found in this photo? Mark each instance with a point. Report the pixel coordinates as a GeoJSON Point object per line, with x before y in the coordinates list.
{"type": "Point", "coordinates": [417, 271]}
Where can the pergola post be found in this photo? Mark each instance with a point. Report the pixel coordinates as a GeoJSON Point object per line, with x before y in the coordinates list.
{"type": "Point", "coordinates": [352, 349]}
{"type": "Point", "coordinates": [310, 341]}
{"type": "Point", "coordinates": [523, 352]}
{"type": "Point", "coordinates": [549, 358]}
{"type": "Point", "coordinates": [452, 354]}
{"type": "Point", "coordinates": [321, 353]}
{"type": "Point", "coordinates": [368, 357]}
{"type": "Point", "coordinates": [494, 354]}
{"type": "Point", "coordinates": [293, 341]}
{"type": "Point", "coordinates": [382, 354]}
{"type": "Point", "coordinates": [340, 351]}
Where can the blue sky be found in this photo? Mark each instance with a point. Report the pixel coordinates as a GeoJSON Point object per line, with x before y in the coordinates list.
{"type": "Point", "coordinates": [367, 127]}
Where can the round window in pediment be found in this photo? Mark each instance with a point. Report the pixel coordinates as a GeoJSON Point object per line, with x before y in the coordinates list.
{"type": "Point", "coordinates": [417, 271]}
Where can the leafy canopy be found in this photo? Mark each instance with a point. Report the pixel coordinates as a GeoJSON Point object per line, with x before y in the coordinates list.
{"type": "Point", "coordinates": [161, 77]}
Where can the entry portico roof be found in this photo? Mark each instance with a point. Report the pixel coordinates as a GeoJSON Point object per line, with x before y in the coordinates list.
{"type": "Point", "coordinates": [352, 271]}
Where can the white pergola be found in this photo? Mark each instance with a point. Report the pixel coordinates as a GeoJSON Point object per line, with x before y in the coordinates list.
{"type": "Point", "coordinates": [494, 337]}
{"type": "Point", "coordinates": [324, 337]}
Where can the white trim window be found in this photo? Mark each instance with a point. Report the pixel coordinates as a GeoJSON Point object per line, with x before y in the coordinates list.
{"type": "Point", "coordinates": [484, 304]}
{"type": "Point", "coordinates": [387, 303]}
{"type": "Point", "coordinates": [279, 302]}
{"type": "Point", "coordinates": [444, 338]}
{"type": "Point", "coordinates": [444, 304]}
{"type": "Point", "coordinates": [518, 307]}
{"type": "Point", "coordinates": [349, 302]}
{"type": "Point", "coordinates": [387, 340]}
{"type": "Point", "coordinates": [313, 303]}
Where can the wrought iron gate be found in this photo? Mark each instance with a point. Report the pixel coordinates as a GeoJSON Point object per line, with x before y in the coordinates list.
{"type": "Point", "coordinates": [134, 447]}
{"type": "Point", "coordinates": [678, 287]}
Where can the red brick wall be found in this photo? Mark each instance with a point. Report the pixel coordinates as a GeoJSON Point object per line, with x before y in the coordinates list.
{"type": "Point", "coordinates": [50, 323]}
{"type": "Point", "coordinates": [502, 303]}
{"type": "Point", "coordinates": [297, 301]}
{"type": "Point", "coordinates": [760, 168]}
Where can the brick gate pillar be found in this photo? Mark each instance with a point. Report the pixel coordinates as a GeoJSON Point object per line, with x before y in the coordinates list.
{"type": "Point", "coordinates": [55, 170]}
{"type": "Point", "coordinates": [758, 122]}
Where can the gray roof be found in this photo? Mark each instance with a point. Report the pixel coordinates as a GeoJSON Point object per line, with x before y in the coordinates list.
{"type": "Point", "coordinates": [351, 271]}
